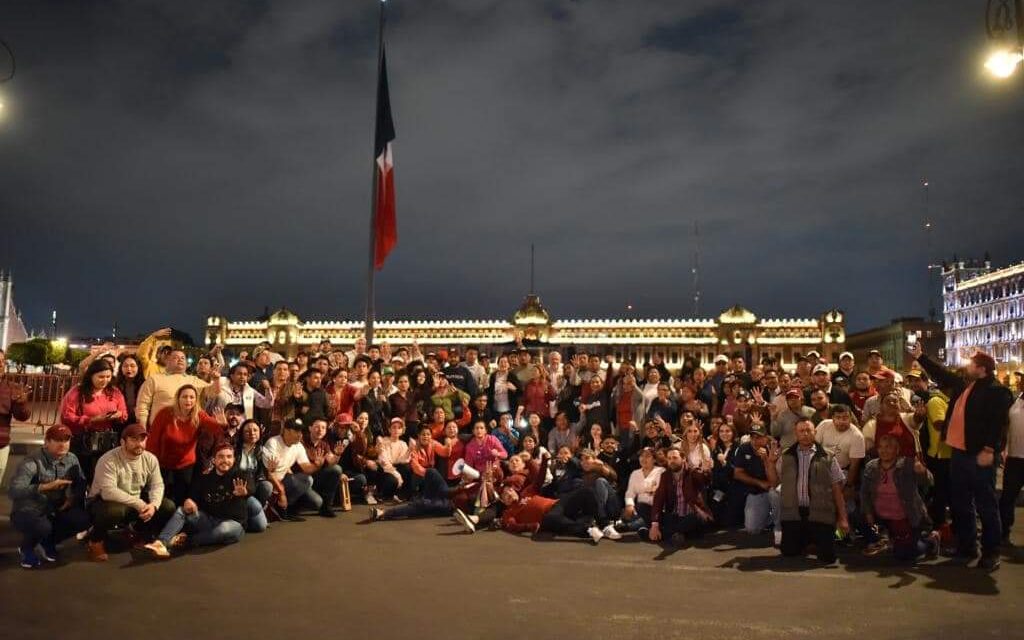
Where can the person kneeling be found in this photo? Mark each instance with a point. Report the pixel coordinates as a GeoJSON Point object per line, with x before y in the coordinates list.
{"type": "Point", "coordinates": [218, 511]}
{"type": "Point", "coordinates": [678, 508]}
{"type": "Point", "coordinates": [889, 495]}
{"type": "Point", "coordinates": [812, 500]}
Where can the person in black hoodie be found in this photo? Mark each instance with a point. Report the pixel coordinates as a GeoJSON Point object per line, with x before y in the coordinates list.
{"type": "Point", "coordinates": [975, 428]}
{"type": "Point", "coordinates": [219, 509]}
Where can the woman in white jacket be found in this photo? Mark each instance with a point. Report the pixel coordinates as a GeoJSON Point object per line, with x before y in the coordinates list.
{"type": "Point", "coordinates": [643, 482]}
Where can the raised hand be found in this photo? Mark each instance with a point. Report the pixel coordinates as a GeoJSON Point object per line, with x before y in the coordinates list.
{"type": "Point", "coordinates": [240, 488]}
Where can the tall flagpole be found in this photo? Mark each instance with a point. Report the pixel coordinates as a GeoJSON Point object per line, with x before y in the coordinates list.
{"type": "Point", "coordinates": [370, 310]}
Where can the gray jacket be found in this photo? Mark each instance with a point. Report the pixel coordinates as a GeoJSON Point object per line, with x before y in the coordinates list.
{"type": "Point", "coordinates": [907, 482]}
{"type": "Point", "coordinates": [39, 468]}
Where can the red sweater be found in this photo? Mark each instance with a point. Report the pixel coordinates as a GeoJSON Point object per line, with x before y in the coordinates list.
{"type": "Point", "coordinates": [526, 514]}
{"type": "Point", "coordinates": [173, 441]}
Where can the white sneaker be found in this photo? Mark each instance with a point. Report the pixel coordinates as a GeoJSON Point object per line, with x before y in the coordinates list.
{"type": "Point", "coordinates": [158, 549]}
{"type": "Point", "coordinates": [778, 538]}
{"type": "Point", "coordinates": [464, 520]}
{"type": "Point", "coordinates": [370, 500]}
{"type": "Point", "coordinates": [595, 534]}
{"type": "Point", "coordinates": [376, 513]}
{"type": "Point", "coordinates": [610, 533]}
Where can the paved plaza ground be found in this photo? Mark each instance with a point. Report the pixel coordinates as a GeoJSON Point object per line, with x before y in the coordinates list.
{"type": "Point", "coordinates": [343, 578]}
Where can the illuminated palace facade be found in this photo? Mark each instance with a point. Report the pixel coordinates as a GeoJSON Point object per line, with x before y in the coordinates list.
{"type": "Point", "coordinates": [735, 329]}
{"type": "Point", "coordinates": [984, 310]}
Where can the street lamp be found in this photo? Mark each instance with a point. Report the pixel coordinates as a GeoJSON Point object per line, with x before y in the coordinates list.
{"type": "Point", "coordinates": [1004, 21]}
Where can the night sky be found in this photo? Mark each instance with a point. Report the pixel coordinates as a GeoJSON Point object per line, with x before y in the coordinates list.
{"type": "Point", "coordinates": [165, 161]}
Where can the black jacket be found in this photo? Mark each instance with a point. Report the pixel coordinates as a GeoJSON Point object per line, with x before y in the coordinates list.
{"type": "Point", "coordinates": [987, 412]}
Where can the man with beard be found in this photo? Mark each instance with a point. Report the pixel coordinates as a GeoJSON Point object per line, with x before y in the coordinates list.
{"type": "Point", "coordinates": [679, 507]}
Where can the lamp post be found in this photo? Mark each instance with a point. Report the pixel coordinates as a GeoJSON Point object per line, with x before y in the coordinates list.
{"type": "Point", "coordinates": [1004, 22]}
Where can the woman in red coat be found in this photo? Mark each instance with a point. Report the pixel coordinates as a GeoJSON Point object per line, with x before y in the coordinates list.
{"type": "Point", "coordinates": [172, 439]}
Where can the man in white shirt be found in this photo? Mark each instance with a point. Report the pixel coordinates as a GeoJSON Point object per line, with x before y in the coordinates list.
{"type": "Point", "coordinates": [282, 452]}
{"type": "Point", "coordinates": [235, 389]}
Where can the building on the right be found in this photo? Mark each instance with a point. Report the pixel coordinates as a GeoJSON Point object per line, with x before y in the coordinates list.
{"type": "Point", "coordinates": [890, 341]}
{"type": "Point", "coordinates": [984, 311]}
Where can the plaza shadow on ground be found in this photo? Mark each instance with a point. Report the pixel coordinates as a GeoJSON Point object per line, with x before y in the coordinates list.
{"type": "Point", "coordinates": [428, 579]}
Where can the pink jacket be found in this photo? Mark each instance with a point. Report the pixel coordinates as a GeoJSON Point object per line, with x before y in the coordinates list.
{"type": "Point", "coordinates": [479, 455]}
{"type": "Point", "coordinates": [77, 417]}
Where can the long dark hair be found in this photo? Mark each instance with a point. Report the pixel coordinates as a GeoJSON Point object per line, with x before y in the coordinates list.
{"type": "Point", "coordinates": [85, 388]}
{"type": "Point", "coordinates": [121, 381]}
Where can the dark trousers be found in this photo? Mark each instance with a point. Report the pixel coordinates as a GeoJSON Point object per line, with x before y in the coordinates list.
{"type": "Point", "coordinates": [49, 528]}
{"type": "Point", "coordinates": [177, 483]}
{"type": "Point", "coordinates": [940, 490]}
{"type": "Point", "coordinates": [573, 514]}
{"type": "Point", "coordinates": [673, 523]}
{"type": "Point", "coordinates": [1013, 480]}
{"type": "Point", "coordinates": [797, 534]}
{"type": "Point", "coordinates": [385, 483]}
{"type": "Point", "coordinates": [973, 489]}
{"type": "Point", "coordinates": [432, 502]}
{"type": "Point", "coordinates": [326, 482]}
{"type": "Point", "coordinates": [107, 515]}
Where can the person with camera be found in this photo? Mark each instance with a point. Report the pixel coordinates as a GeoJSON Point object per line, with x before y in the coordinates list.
{"type": "Point", "coordinates": [92, 411]}
{"type": "Point", "coordinates": [47, 492]}
{"type": "Point", "coordinates": [975, 428]}
{"type": "Point", "coordinates": [128, 490]}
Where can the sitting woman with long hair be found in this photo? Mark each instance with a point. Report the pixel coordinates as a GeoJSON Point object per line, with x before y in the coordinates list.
{"type": "Point", "coordinates": [172, 439]}
{"type": "Point", "coordinates": [93, 411]}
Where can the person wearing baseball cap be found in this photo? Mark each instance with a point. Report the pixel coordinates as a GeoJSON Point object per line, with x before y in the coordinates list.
{"type": "Point", "coordinates": [127, 490]}
{"type": "Point", "coordinates": [784, 423]}
{"type": "Point", "coordinates": [761, 500]}
{"type": "Point", "coordinates": [821, 379]}
{"type": "Point", "coordinates": [48, 492]}
{"type": "Point", "coordinates": [847, 367]}
{"type": "Point", "coordinates": [875, 361]}
{"type": "Point", "coordinates": [975, 421]}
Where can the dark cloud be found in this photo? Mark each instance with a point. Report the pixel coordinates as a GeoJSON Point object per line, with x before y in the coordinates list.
{"type": "Point", "coordinates": [160, 162]}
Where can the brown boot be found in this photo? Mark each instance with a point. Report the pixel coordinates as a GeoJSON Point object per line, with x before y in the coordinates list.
{"type": "Point", "coordinates": [97, 552]}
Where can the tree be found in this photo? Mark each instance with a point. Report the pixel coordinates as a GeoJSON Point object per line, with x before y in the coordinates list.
{"type": "Point", "coordinates": [37, 352]}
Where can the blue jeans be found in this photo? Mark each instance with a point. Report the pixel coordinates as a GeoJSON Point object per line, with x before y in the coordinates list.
{"type": "Point", "coordinates": [207, 530]}
{"type": "Point", "coordinates": [972, 487]}
{"type": "Point", "coordinates": [761, 510]}
{"type": "Point", "coordinates": [298, 486]}
{"type": "Point", "coordinates": [432, 502]}
{"type": "Point", "coordinates": [607, 502]}
{"type": "Point", "coordinates": [49, 528]}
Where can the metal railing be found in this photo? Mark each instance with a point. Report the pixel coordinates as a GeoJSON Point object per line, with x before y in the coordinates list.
{"type": "Point", "coordinates": [47, 390]}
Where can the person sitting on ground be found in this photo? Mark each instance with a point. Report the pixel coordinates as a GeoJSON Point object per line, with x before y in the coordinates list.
{"type": "Point", "coordinates": [890, 495]}
{"type": "Point", "coordinates": [219, 510]}
{"type": "Point", "coordinates": [327, 478]}
{"type": "Point", "coordinates": [423, 456]}
{"type": "Point", "coordinates": [695, 450]}
{"type": "Point", "coordinates": [361, 470]}
{"type": "Point", "coordinates": [249, 461]}
{"type": "Point", "coordinates": [812, 504]}
{"type": "Point", "coordinates": [280, 454]}
{"type": "Point", "coordinates": [678, 508]}
{"type": "Point", "coordinates": [127, 490]}
{"type": "Point", "coordinates": [173, 436]}
{"type": "Point", "coordinates": [47, 494]}
{"type": "Point", "coordinates": [643, 482]}
{"type": "Point", "coordinates": [456, 450]}
{"type": "Point", "coordinates": [394, 461]}
{"type": "Point", "coordinates": [483, 449]}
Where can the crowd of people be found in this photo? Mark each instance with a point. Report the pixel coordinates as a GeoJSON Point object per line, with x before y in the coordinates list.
{"type": "Point", "coordinates": [806, 460]}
